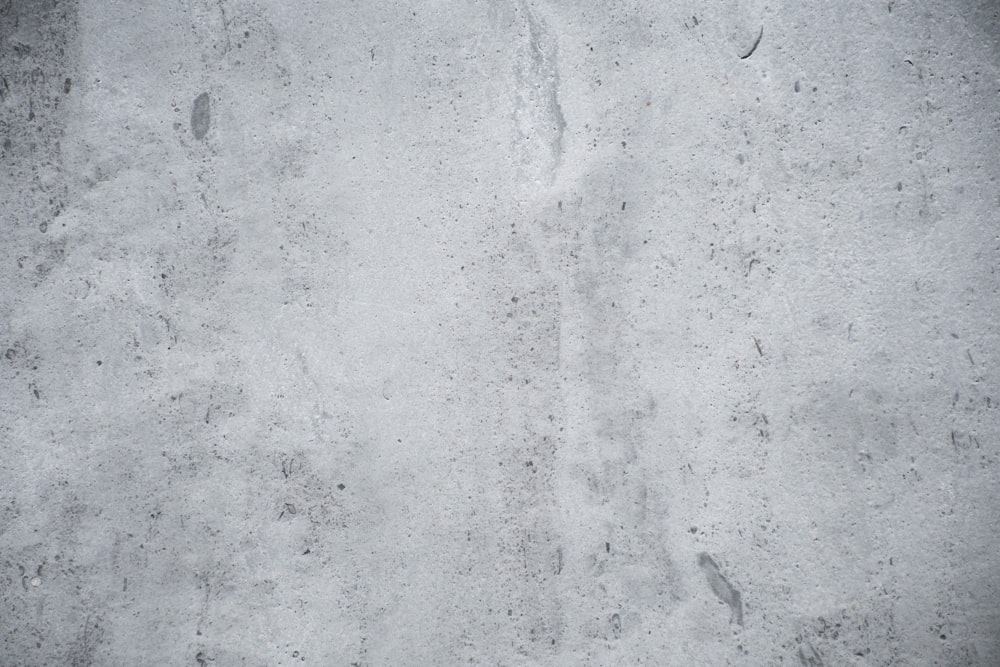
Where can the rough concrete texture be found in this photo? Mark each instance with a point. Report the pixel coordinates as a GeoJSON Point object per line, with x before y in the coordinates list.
{"type": "Point", "coordinates": [520, 332]}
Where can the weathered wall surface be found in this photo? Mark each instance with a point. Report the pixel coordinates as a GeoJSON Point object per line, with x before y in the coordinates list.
{"type": "Point", "coordinates": [501, 333]}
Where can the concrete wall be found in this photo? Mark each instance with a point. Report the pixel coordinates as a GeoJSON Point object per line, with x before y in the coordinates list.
{"type": "Point", "coordinates": [499, 333]}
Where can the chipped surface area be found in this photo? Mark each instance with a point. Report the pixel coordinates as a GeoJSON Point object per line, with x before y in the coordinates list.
{"type": "Point", "coordinates": [502, 333]}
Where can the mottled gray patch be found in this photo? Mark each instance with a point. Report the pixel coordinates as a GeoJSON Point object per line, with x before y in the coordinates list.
{"type": "Point", "coordinates": [538, 116]}
{"type": "Point", "coordinates": [201, 116]}
{"type": "Point", "coordinates": [721, 586]}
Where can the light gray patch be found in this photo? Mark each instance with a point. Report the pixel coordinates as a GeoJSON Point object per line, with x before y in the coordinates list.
{"type": "Point", "coordinates": [539, 118]}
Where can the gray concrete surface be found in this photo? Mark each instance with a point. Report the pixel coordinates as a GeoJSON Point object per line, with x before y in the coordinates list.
{"type": "Point", "coordinates": [499, 333]}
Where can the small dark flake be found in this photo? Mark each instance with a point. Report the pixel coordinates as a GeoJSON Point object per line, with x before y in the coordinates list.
{"type": "Point", "coordinates": [201, 116]}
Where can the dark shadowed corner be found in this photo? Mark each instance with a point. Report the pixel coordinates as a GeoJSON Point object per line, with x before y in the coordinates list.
{"type": "Point", "coordinates": [39, 53]}
{"type": "Point", "coordinates": [46, 618]}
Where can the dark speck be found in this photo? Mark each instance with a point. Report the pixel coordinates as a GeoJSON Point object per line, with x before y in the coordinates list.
{"type": "Point", "coordinates": [797, 87]}
{"type": "Point", "coordinates": [99, 363]}
{"type": "Point", "coordinates": [67, 84]}
{"type": "Point", "coordinates": [341, 487]}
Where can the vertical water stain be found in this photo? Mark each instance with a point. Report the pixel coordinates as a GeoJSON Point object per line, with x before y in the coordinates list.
{"type": "Point", "coordinates": [201, 116]}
